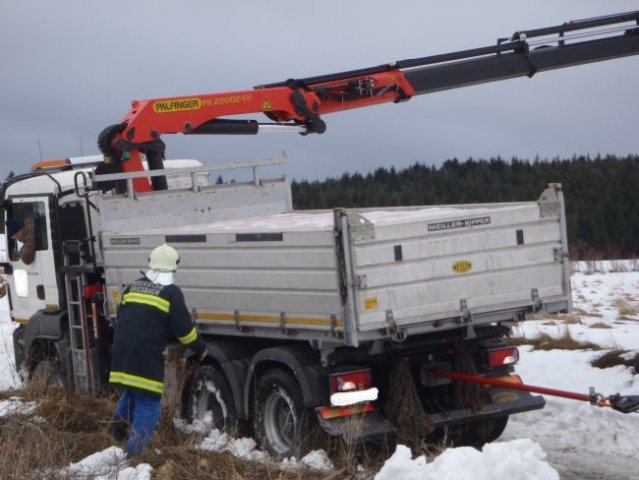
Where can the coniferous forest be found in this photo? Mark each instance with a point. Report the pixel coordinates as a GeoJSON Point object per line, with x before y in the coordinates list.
{"type": "Point", "coordinates": [602, 194]}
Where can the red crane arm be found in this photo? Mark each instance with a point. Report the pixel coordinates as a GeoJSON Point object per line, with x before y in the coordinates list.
{"type": "Point", "coordinates": [149, 118]}
{"type": "Point", "coordinates": [286, 105]}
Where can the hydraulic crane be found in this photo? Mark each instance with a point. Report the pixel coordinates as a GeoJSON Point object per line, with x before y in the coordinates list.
{"type": "Point", "coordinates": [300, 104]}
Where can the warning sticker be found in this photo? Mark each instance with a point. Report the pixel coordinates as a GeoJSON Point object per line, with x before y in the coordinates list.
{"type": "Point", "coordinates": [370, 303]}
{"type": "Point", "coordinates": [266, 104]}
{"type": "Point", "coordinates": [114, 297]}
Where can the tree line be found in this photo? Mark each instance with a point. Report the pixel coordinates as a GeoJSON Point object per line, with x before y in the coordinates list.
{"type": "Point", "coordinates": [602, 193]}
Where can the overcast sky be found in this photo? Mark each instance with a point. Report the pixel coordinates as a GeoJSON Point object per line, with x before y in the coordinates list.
{"type": "Point", "coordinates": [71, 67]}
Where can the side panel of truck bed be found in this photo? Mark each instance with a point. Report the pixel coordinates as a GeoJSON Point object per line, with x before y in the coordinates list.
{"type": "Point", "coordinates": [423, 267]}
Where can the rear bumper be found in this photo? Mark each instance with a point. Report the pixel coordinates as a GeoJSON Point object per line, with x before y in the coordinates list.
{"type": "Point", "coordinates": [369, 426]}
{"type": "Point", "coordinates": [505, 402]}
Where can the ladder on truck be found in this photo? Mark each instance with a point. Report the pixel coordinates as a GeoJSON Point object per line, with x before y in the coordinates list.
{"type": "Point", "coordinates": [84, 378]}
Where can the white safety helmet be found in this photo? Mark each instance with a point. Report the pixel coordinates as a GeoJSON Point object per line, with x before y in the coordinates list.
{"type": "Point", "coordinates": [164, 259]}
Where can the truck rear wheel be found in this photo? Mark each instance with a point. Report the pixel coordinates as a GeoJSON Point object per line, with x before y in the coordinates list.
{"type": "Point", "coordinates": [48, 373]}
{"type": "Point", "coordinates": [478, 434]}
{"type": "Point", "coordinates": [281, 421]}
{"type": "Point", "coordinates": [209, 401]}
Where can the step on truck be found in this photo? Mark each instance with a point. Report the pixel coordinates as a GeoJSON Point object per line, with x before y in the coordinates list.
{"type": "Point", "coordinates": [329, 318]}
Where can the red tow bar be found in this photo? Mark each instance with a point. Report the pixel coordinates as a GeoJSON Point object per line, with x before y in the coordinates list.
{"type": "Point", "coordinates": [624, 404]}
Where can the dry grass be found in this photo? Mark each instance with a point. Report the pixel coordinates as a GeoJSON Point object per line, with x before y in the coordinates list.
{"type": "Point", "coordinates": [626, 308]}
{"type": "Point", "coordinates": [63, 429]}
{"type": "Point", "coordinates": [547, 342]}
{"type": "Point", "coordinates": [66, 428]}
{"type": "Point", "coordinates": [572, 318]}
{"type": "Point", "coordinates": [599, 325]}
{"type": "Point", "coordinates": [179, 462]}
{"type": "Point", "coordinates": [584, 313]}
{"type": "Point", "coordinates": [617, 357]}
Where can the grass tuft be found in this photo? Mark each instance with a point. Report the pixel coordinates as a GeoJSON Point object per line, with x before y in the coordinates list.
{"type": "Point", "coordinates": [626, 308]}
{"type": "Point", "coordinates": [546, 342]}
{"type": "Point", "coordinates": [599, 325]}
{"type": "Point", "coordinates": [617, 357]}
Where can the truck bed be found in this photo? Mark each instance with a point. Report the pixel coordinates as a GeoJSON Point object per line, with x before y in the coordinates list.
{"type": "Point", "coordinates": [348, 276]}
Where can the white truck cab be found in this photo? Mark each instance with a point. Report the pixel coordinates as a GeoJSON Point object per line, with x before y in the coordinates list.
{"type": "Point", "coordinates": [34, 286]}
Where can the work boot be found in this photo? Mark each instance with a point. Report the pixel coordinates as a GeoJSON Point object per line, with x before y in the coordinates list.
{"type": "Point", "coordinates": [119, 429]}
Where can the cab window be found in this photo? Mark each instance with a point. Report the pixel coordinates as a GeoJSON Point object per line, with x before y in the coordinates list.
{"type": "Point", "coordinates": [28, 213]}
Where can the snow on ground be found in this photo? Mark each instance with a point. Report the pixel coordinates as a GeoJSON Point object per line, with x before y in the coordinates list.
{"type": "Point", "coordinates": [567, 439]}
{"type": "Point", "coordinates": [8, 376]}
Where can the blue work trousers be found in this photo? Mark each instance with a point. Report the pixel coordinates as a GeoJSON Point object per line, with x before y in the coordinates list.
{"type": "Point", "coordinates": [142, 411]}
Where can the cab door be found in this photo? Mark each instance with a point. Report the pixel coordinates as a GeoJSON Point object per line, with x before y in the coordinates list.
{"type": "Point", "coordinates": [33, 285]}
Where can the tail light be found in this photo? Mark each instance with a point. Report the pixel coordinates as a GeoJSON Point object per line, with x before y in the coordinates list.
{"type": "Point", "coordinates": [498, 357]}
{"type": "Point", "coordinates": [351, 392]}
{"type": "Point", "coordinates": [350, 381]}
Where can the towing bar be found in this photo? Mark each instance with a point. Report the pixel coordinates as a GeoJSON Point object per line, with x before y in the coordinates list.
{"type": "Point", "coordinates": [624, 404]}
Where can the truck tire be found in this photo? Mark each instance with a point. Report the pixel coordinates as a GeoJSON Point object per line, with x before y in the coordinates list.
{"type": "Point", "coordinates": [48, 374]}
{"type": "Point", "coordinates": [208, 399]}
{"type": "Point", "coordinates": [480, 433]}
{"type": "Point", "coordinates": [281, 422]}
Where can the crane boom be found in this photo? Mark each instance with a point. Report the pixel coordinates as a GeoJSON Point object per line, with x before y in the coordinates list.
{"type": "Point", "coordinates": [301, 103]}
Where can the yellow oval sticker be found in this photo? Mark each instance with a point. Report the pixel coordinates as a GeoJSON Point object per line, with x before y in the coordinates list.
{"type": "Point", "coordinates": [462, 266]}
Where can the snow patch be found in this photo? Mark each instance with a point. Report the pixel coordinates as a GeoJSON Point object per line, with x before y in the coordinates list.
{"type": "Point", "coordinates": [108, 464]}
{"type": "Point", "coordinates": [244, 448]}
{"type": "Point", "coordinates": [15, 406]}
{"type": "Point", "coordinates": [521, 459]}
{"type": "Point", "coordinates": [314, 460]}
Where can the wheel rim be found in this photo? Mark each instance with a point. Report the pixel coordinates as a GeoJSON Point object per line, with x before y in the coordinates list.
{"type": "Point", "coordinates": [280, 422]}
{"type": "Point", "coordinates": [208, 407]}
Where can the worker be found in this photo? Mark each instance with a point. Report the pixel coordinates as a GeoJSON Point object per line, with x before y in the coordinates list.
{"type": "Point", "coordinates": [25, 234]}
{"type": "Point", "coordinates": [152, 311]}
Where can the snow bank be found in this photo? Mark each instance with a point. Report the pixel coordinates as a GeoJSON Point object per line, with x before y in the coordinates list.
{"type": "Point", "coordinates": [520, 459]}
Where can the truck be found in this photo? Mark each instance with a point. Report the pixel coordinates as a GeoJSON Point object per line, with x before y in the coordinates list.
{"type": "Point", "coordinates": [343, 319]}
